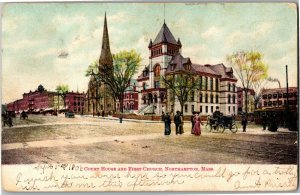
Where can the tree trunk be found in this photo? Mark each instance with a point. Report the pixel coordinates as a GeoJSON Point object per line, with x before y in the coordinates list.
{"type": "Point", "coordinates": [246, 101]}
{"type": "Point", "coordinates": [121, 104]}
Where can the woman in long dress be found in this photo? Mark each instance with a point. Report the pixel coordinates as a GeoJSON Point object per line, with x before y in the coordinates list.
{"type": "Point", "coordinates": [197, 128]}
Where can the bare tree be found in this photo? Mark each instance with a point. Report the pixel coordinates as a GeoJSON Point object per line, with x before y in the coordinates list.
{"type": "Point", "coordinates": [118, 77]}
{"type": "Point", "coordinates": [250, 69]}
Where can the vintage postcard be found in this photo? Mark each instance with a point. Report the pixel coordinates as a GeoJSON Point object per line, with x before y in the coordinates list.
{"type": "Point", "coordinates": [149, 96]}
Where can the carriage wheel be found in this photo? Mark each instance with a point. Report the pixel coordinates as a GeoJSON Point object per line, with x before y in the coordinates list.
{"type": "Point", "coordinates": [222, 128]}
{"type": "Point", "coordinates": [234, 128]}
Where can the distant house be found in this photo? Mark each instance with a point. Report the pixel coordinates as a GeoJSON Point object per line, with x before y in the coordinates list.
{"type": "Point", "coordinates": [242, 100]}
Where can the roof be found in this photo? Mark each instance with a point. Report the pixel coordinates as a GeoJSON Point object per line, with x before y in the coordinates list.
{"type": "Point", "coordinates": [179, 61]}
{"type": "Point", "coordinates": [133, 82]}
{"type": "Point", "coordinates": [225, 72]}
{"type": "Point", "coordinates": [164, 36]}
{"type": "Point", "coordinates": [282, 90]}
{"type": "Point", "coordinates": [141, 76]}
{"type": "Point", "coordinates": [204, 69]}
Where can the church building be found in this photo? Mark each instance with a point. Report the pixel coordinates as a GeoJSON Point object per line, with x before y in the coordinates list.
{"type": "Point", "coordinates": [98, 97]}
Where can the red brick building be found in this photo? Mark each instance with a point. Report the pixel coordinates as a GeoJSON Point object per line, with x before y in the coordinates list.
{"type": "Point", "coordinates": [43, 100]}
{"type": "Point", "coordinates": [277, 97]}
{"type": "Point", "coordinates": [75, 102]}
{"type": "Point", "coordinates": [130, 102]}
{"type": "Point", "coordinates": [241, 100]}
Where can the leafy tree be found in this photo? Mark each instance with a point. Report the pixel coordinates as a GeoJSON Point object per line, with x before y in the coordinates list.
{"type": "Point", "coordinates": [250, 68]}
{"type": "Point", "coordinates": [41, 88]}
{"type": "Point", "coordinates": [181, 85]}
{"type": "Point", "coordinates": [118, 77]}
{"type": "Point", "coordinates": [61, 91]}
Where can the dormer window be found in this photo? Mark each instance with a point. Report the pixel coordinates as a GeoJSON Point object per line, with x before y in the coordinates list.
{"type": "Point", "coordinates": [173, 67]}
{"type": "Point", "coordinates": [188, 67]}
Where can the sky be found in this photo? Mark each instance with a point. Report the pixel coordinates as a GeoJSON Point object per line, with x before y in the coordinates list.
{"type": "Point", "coordinates": [54, 43]}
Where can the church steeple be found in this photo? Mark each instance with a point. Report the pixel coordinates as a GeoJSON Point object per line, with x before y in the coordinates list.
{"type": "Point", "coordinates": [105, 56]}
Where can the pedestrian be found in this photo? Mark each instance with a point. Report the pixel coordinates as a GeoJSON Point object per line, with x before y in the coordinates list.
{"type": "Point", "coordinates": [197, 128]}
{"type": "Point", "coordinates": [9, 121]}
{"type": "Point", "coordinates": [181, 125]}
{"type": "Point", "coordinates": [244, 122]}
{"type": "Point", "coordinates": [98, 114]}
{"type": "Point", "coordinates": [177, 121]}
{"type": "Point", "coordinates": [167, 120]}
{"type": "Point", "coordinates": [264, 121]}
{"type": "Point", "coordinates": [162, 116]}
{"type": "Point", "coordinates": [102, 113]}
{"type": "Point", "coordinates": [193, 123]}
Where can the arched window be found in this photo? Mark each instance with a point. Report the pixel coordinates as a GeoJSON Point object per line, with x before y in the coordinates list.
{"type": "Point", "coordinates": [229, 98]}
{"type": "Point", "coordinates": [217, 99]}
{"type": "Point", "coordinates": [201, 97]}
{"type": "Point", "coordinates": [211, 98]}
{"type": "Point", "coordinates": [233, 99]}
{"type": "Point", "coordinates": [206, 98]}
{"type": "Point", "coordinates": [229, 86]}
{"type": "Point", "coordinates": [144, 86]}
{"type": "Point", "coordinates": [157, 70]}
{"type": "Point", "coordinates": [155, 98]}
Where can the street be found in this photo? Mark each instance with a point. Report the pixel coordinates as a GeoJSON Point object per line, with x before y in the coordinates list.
{"type": "Point", "coordinates": [84, 139]}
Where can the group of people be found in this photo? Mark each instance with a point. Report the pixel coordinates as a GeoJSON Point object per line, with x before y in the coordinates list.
{"type": "Point", "coordinates": [178, 121]}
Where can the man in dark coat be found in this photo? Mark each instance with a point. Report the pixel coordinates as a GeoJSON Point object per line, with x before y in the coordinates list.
{"type": "Point", "coordinates": [167, 120]}
{"type": "Point", "coordinates": [264, 121]}
{"type": "Point", "coordinates": [162, 116]}
{"type": "Point", "coordinates": [193, 122]}
{"type": "Point", "coordinates": [244, 122]}
{"type": "Point", "coordinates": [177, 121]}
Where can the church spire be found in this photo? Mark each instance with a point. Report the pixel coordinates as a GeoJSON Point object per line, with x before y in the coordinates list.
{"type": "Point", "coordinates": [105, 56]}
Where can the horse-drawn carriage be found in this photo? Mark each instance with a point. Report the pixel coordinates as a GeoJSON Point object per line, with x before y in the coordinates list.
{"type": "Point", "coordinates": [220, 123]}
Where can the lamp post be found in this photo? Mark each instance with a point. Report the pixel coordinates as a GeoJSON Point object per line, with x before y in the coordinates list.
{"type": "Point", "coordinates": [287, 98]}
{"type": "Point", "coordinates": [96, 97]}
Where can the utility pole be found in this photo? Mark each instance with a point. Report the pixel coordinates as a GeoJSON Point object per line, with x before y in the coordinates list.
{"type": "Point", "coordinates": [287, 98]}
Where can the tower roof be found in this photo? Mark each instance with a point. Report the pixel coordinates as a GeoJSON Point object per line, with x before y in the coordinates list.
{"type": "Point", "coordinates": [105, 56]}
{"type": "Point", "coordinates": [165, 36]}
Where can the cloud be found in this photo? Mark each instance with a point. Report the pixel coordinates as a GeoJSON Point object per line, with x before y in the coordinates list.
{"type": "Point", "coordinates": [211, 33]}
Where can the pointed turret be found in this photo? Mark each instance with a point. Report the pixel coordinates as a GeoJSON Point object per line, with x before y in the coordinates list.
{"type": "Point", "coordinates": [178, 42]}
{"type": "Point", "coordinates": [165, 36]}
{"type": "Point", "coordinates": [105, 56]}
{"type": "Point", "coordinates": [150, 43]}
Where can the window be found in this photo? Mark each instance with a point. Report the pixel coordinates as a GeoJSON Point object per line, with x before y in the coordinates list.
{"type": "Point", "coordinates": [233, 87]}
{"type": "Point", "coordinates": [269, 96]}
{"type": "Point", "coordinates": [279, 95]}
{"type": "Point", "coordinates": [200, 109]}
{"type": "Point", "coordinates": [144, 86]}
{"type": "Point", "coordinates": [270, 103]}
{"type": "Point", "coordinates": [217, 85]}
{"type": "Point", "coordinates": [192, 95]}
{"type": "Point", "coordinates": [200, 83]}
{"type": "Point", "coordinates": [200, 97]}
{"type": "Point", "coordinates": [185, 108]}
{"type": "Point", "coordinates": [206, 98]}
{"type": "Point", "coordinates": [217, 99]}
{"type": "Point", "coordinates": [193, 108]}
{"type": "Point", "coordinates": [206, 83]}
{"type": "Point", "coordinates": [275, 95]}
{"type": "Point", "coordinates": [229, 86]}
{"type": "Point", "coordinates": [157, 70]}
{"type": "Point", "coordinates": [233, 99]}
{"type": "Point", "coordinates": [156, 84]}
{"type": "Point", "coordinates": [74, 103]}
{"type": "Point", "coordinates": [266, 96]}
{"type": "Point", "coordinates": [229, 98]}
{"type": "Point", "coordinates": [211, 98]}
{"type": "Point", "coordinates": [211, 84]}
{"type": "Point", "coordinates": [206, 109]}
{"type": "Point", "coordinates": [211, 109]}
{"type": "Point", "coordinates": [233, 109]}
{"type": "Point", "coordinates": [229, 109]}
{"type": "Point", "coordinates": [155, 98]}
